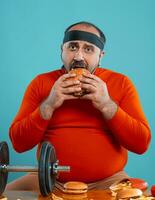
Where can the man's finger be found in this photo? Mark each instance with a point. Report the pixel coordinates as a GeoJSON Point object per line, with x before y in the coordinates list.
{"type": "Point", "coordinates": [93, 77]}
{"type": "Point", "coordinates": [70, 90]}
{"type": "Point", "coordinates": [88, 81]}
{"type": "Point", "coordinates": [88, 87]}
{"type": "Point", "coordinates": [67, 97]}
{"type": "Point", "coordinates": [87, 96]}
{"type": "Point", "coordinates": [65, 76]}
{"type": "Point", "coordinates": [68, 83]}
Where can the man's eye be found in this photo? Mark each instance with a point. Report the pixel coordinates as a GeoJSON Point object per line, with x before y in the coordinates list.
{"type": "Point", "coordinates": [88, 50]}
{"type": "Point", "coordinates": [72, 47]}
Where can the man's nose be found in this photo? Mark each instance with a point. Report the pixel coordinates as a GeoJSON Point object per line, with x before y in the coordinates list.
{"type": "Point", "coordinates": [79, 56]}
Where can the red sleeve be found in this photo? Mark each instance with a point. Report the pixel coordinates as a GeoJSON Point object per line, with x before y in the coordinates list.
{"type": "Point", "coordinates": [28, 128]}
{"type": "Point", "coordinates": [129, 125]}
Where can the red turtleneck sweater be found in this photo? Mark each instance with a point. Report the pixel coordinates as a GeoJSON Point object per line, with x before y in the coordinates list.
{"type": "Point", "coordinates": [94, 148]}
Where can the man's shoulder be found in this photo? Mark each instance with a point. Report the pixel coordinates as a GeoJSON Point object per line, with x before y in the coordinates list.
{"type": "Point", "coordinates": [51, 74]}
{"type": "Point", "coordinates": [103, 72]}
{"type": "Point", "coordinates": [47, 77]}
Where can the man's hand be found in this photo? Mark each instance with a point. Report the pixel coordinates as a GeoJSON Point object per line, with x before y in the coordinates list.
{"type": "Point", "coordinates": [62, 90]}
{"type": "Point", "coordinates": [98, 94]}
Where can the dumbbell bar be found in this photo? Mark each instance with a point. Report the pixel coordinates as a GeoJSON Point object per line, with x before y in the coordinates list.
{"type": "Point", "coordinates": [47, 169]}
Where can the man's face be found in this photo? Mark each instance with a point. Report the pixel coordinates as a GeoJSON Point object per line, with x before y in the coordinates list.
{"type": "Point", "coordinates": [80, 53]}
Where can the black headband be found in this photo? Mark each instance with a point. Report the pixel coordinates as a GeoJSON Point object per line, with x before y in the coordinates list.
{"type": "Point", "coordinates": [85, 36]}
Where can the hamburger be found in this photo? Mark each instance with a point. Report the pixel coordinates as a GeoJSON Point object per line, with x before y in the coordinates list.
{"type": "Point", "coordinates": [129, 183]}
{"type": "Point", "coordinates": [79, 73]}
{"type": "Point", "coordinates": [124, 184]}
{"type": "Point", "coordinates": [129, 193]}
{"type": "Point", "coordinates": [74, 187]}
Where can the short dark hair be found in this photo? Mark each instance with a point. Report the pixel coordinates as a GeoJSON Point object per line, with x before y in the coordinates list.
{"type": "Point", "coordinates": [102, 36]}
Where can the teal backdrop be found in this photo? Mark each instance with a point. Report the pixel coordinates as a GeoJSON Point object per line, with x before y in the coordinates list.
{"type": "Point", "coordinates": [31, 33]}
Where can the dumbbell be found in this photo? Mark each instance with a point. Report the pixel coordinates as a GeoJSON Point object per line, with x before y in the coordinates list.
{"type": "Point", "coordinates": [47, 168]}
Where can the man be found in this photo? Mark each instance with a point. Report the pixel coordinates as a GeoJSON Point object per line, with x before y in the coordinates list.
{"type": "Point", "coordinates": [92, 133]}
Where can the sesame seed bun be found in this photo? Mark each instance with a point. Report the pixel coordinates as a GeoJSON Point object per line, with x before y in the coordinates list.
{"type": "Point", "coordinates": [79, 72]}
{"type": "Point", "coordinates": [129, 193]}
{"type": "Point", "coordinates": [74, 187]}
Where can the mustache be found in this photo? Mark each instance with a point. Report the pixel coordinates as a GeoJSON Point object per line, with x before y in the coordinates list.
{"type": "Point", "coordinates": [78, 64]}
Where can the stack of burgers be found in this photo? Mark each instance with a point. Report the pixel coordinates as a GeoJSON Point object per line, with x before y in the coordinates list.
{"type": "Point", "coordinates": [130, 190]}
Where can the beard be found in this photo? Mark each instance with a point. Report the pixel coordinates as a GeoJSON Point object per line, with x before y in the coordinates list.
{"type": "Point", "coordinates": [78, 64]}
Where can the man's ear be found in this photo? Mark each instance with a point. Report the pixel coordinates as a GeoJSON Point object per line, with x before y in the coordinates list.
{"type": "Point", "coordinates": [102, 54]}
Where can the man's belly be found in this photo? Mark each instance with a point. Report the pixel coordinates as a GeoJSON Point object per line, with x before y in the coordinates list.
{"type": "Point", "coordinates": [91, 154]}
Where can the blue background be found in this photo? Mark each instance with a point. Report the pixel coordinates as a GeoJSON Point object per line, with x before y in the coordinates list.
{"type": "Point", "coordinates": [31, 33]}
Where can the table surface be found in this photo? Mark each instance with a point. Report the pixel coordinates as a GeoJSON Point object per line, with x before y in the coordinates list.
{"type": "Point", "coordinates": [28, 195]}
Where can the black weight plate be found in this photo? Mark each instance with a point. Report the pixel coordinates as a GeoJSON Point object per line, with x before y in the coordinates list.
{"type": "Point", "coordinates": [50, 176]}
{"type": "Point", "coordinates": [48, 170]}
{"type": "Point", "coordinates": [42, 168]}
{"type": "Point", "coordinates": [4, 160]}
